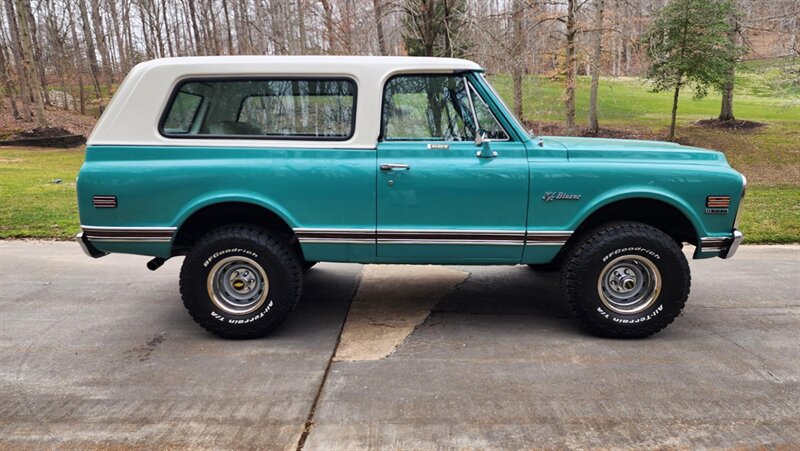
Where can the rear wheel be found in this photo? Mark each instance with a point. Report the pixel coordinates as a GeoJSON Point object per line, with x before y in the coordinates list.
{"type": "Point", "coordinates": [241, 281]}
{"type": "Point", "coordinates": [626, 280]}
{"type": "Point", "coordinates": [308, 265]}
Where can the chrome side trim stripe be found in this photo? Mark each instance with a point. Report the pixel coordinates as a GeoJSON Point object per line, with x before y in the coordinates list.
{"type": "Point", "coordinates": [458, 242]}
{"type": "Point", "coordinates": [129, 234]}
{"type": "Point", "coordinates": [335, 236]}
{"type": "Point", "coordinates": [432, 236]}
{"type": "Point", "coordinates": [547, 237]}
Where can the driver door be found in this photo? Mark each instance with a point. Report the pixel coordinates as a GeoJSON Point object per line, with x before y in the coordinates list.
{"type": "Point", "coordinates": [441, 197]}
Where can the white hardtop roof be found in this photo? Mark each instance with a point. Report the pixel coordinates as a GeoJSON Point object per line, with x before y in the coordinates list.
{"type": "Point", "coordinates": [321, 62]}
{"type": "Point", "coordinates": [132, 116]}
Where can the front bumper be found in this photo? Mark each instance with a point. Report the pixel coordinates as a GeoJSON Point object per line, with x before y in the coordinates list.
{"type": "Point", "coordinates": [88, 247]}
{"type": "Point", "coordinates": [725, 247]}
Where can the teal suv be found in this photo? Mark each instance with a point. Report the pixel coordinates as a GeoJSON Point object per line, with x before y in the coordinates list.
{"type": "Point", "coordinates": [255, 168]}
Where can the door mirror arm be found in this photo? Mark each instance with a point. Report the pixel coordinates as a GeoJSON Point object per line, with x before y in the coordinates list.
{"type": "Point", "coordinates": [480, 138]}
{"type": "Point", "coordinates": [484, 151]}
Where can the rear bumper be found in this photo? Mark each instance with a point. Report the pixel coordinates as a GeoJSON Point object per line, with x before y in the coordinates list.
{"type": "Point", "coordinates": [88, 247]}
{"type": "Point", "coordinates": [724, 247]}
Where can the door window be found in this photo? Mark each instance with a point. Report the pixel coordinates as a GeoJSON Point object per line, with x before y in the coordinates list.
{"type": "Point", "coordinates": [488, 124]}
{"type": "Point", "coordinates": [435, 108]}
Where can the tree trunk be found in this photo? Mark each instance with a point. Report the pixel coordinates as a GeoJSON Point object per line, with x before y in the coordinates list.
{"type": "Point", "coordinates": [76, 56]}
{"type": "Point", "coordinates": [377, 6]}
{"type": "Point", "coordinates": [198, 42]}
{"type": "Point", "coordinates": [7, 86]}
{"type": "Point", "coordinates": [237, 24]}
{"type": "Point", "coordinates": [347, 32]}
{"type": "Point", "coordinates": [448, 41]}
{"type": "Point", "coordinates": [126, 20]}
{"type": "Point", "coordinates": [149, 53]}
{"type": "Point", "coordinates": [594, 126]}
{"type": "Point", "coordinates": [518, 64]}
{"type": "Point", "coordinates": [41, 74]}
{"type": "Point", "coordinates": [726, 109]}
{"type": "Point", "coordinates": [16, 55]}
{"type": "Point", "coordinates": [328, 11]}
{"type": "Point", "coordinates": [102, 47]}
{"type": "Point", "coordinates": [674, 112]}
{"type": "Point", "coordinates": [27, 62]}
{"type": "Point", "coordinates": [169, 34]}
{"type": "Point", "coordinates": [228, 26]}
{"type": "Point", "coordinates": [428, 21]}
{"type": "Point", "coordinates": [123, 57]}
{"type": "Point", "coordinates": [90, 53]}
{"type": "Point", "coordinates": [569, 83]}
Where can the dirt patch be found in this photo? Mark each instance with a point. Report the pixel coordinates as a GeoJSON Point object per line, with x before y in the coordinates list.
{"type": "Point", "coordinates": [44, 132]}
{"type": "Point", "coordinates": [58, 118]}
{"type": "Point", "coordinates": [42, 137]}
{"type": "Point", "coordinates": [730, 125]}
{"type": "Point", "coordinates": [558, 129]}
{"type": "Point", "coordinates": [391, 301]}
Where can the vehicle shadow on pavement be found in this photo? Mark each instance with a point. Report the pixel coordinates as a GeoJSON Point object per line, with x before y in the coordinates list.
{"type": "Point", "coordinates": [513, 290]}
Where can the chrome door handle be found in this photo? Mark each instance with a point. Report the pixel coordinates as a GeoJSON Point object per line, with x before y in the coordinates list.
{"type": "Point", "coordinates": [395, 167]}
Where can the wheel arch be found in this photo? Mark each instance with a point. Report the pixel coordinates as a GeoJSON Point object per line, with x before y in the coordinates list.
{"type": "Point", "coordinates": [662, 211]}
{"type": "Point", "coordinates": [209, 214]}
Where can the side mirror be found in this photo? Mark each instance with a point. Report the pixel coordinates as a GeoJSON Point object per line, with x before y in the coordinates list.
{"type": "Point", "coordinates": [484, 151]}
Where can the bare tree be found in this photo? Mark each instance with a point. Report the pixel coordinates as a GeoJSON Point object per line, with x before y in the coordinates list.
{"type": "Point", "coordinates": [88, 40]}
{"type": "Point", "coordinates": [570, 66]}
{"type": "Point", "coordinates": [29, 68]}
{"type": "Point", "coordinates": [726, 109]}
{"type": "Point", "coordinates": [594, 125]}
{"type": "Point", "coordinates": [377, 6]}
{"type": "Point", "coordinates": [16, 52]}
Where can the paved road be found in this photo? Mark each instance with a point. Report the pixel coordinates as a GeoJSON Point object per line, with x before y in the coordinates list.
{"type": "Point", "coordinates": [101, 353]}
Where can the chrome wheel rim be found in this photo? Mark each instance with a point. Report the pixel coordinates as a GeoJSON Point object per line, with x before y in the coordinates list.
{"type": "Point", "coordinates": [237, 285]}
{"type": "Point", "coordinates": [629, 284]}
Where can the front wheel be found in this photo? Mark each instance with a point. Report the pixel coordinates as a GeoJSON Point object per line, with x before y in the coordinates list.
{"type": "Point", "coordinates": [626, 280]}
{"type": "Point", "coordinates": [241, 281]}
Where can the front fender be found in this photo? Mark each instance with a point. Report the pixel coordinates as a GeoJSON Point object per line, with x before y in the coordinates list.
{"type": "Point", "coordinates": [611, 196]}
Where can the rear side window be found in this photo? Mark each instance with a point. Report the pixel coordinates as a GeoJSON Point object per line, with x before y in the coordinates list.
{"type": "Point", "coordinates": [182, 113]}
{"type": "Point", "coordinates": [315, 109]}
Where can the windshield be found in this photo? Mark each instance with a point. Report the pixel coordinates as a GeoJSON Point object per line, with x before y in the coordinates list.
{"type": "Point", "coordinates": [509, 111]}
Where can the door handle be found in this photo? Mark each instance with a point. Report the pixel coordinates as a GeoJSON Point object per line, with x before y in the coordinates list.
{"type": "Point", "coordinates": [395, 167]}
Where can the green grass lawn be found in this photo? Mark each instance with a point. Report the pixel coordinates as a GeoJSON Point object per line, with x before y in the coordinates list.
{"type": "Point", "coordinates": [31, 205]}
{"type": "Point", "coordinates": [762, 94]}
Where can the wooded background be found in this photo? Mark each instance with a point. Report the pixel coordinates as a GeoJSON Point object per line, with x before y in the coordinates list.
{"type": "Point", "coordinates": [71, 54]}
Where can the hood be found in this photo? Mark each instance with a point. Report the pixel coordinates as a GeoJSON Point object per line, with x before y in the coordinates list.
{"type": "Point", "coordinates": [635, 150]}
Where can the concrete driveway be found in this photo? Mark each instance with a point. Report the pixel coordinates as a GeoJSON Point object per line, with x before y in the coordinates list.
{"type": "Point", "coordinates": [100, 353]}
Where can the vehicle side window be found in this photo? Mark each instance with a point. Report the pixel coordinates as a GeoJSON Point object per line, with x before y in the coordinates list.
{"type": "Point", "coordinates": [315, 109]}
{"type": "Point", "coordinates": [183, 112]}
{"type": "Point", "coordinates": [427, 107]}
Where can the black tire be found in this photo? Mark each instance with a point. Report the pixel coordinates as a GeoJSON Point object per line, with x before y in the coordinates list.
{"type": "Point", "coordinates": [238, 252]}
{"type": "Point", "coordinates": [624, 249]}
{"type": "Point", "coordinates": [308, 265]}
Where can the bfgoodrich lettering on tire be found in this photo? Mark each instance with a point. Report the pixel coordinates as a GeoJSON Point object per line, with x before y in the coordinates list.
{"type": "Point", "coordinates": [241, 281]}
{"type": "Point", "coordinates": [626, 280]}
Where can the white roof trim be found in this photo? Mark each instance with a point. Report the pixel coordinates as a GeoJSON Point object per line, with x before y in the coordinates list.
{"type": "Point", "coordinates": [132, 116]}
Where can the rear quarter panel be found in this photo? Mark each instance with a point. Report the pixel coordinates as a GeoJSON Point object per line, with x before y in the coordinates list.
{"type": "Point", "coordinates": [161, 186]}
